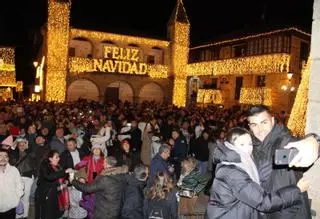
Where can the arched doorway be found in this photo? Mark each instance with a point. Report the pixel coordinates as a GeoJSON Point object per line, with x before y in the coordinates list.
{"type": "Point", "coordinates": [84, 89]}
{"type": "Point", "coordinates": [119, 90]}
{"type": "Point", "coordinates": [151, 92]}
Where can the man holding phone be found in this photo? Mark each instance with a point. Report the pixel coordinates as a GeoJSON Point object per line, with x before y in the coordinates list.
{"type": "Point", "coordinates": [268, 136]}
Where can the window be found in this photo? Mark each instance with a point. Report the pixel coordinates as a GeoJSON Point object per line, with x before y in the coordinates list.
{"type": "Point", "coordinates": [304, 51]}
{"type": "Point", "coordinates": [274, 47]}
{"type": "Point", "coordinates": [89, 56]}
{"type": "Point", "coordinates": [261, 81]}
{"type": "Point", "coordinates": [240, 50]}
{"type": "Point", "coordinates": [239, 82]}
{"type": "Point", "coordinates": [279, 44]}
{"type": "Point", "coordinates": [211, 83]}
{"type": "Point", "coordinates": [150, 59]}
{"type": "Point", "coordinates": [72, 52]}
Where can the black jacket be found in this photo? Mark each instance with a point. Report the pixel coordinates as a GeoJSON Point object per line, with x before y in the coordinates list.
{"type": "Point", "coordinates": [108, 188]}
{"type": "Point", "coordinates": [132, 199]}
{"type": "Point", "coordinates": [200, 148]}
{"type": "Point", "coordinates": [131, 159]}
{"type": "Point", "coordinates": [235, 195]}
{"type": "Point", "coordinates": [26, 165]}
{"type": "Point", "coordinates": [274, 177]}
{"type": "Point", "coordinates": [66, 160]}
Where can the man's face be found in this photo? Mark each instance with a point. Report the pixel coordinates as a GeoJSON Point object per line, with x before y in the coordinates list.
{"type": "Point", "coordinates": [59, 133]}
{"type": "Point", "coordinates": [40, 140]}
{"type": "Point", "coordinates": [71, 146]}
{"type": "Point", "coordinates": [4, 158]}
{"type": "Point", "coordinates": [165, 155]}
{"type": "Point", "coordinates": [175, 135]}
{"type": "Point", "coordinates": [261, 124]}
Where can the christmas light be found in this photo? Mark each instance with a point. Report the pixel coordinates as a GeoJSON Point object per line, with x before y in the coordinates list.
{"type": "Point", "coordinates": [255, 96]}
{"type": "Point", "coordinates": [209, 96]}
{"type": "Point", "coordinates": [7, 68]}
{"type": "Point", "coordinates": [267, 64]}
{"type": "Point", "coordinates": [57, 50]}
{"type": "Point", "coordinates": [297, 120]}
{"type": "Point", "coordinates": [19, 87]}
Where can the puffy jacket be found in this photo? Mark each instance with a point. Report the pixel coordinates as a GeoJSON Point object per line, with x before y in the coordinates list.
{"type": "Point", "coordinates": [158, 165]}
{"type": "Point", "coordinates": [133, 199]}
{"type": "Point", "coordinates": [194, 181]}
{"type": "Point", "coordinates": [108, 187]}
{"type": "Point", "coordinates": [235, 195]}
{"type": "Point", "coordinates": [26, 165]}
{"type": "Point", "coordinates": [275, 177]}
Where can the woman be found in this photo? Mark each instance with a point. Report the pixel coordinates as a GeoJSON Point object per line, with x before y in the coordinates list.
{"type": "Point", "coordinates": [92, 165]}
{"type": "Point", "coordinates": [191, 180]}
{"type": "Point", "coordinates": [26, 166]}
{"type": "Point", "coordinates": [52, 188]}
{"type": "Point", "coordinates": [127, 157]}
{"type": "Point", "coordinates": [236, 190]}
{"type": "Point", "coordinates": [161, 201]}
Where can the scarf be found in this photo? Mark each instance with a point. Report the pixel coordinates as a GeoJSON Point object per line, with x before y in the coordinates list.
{"type": "Point", "coordinates": [63, 194]}
{"type": "Point", "coordinates": [247, 164]}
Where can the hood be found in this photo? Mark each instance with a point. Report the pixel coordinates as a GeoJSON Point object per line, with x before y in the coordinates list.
{"type": "Point", "coordinates": [115, 171]}
{"type": "Point", "coordinates": [133, 182]}
{"type": "Point", "coordinates": [223, 154]}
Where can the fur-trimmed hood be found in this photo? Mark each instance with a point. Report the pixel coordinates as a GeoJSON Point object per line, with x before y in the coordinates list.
{"type": "Point", "coordinates": [115, 171]}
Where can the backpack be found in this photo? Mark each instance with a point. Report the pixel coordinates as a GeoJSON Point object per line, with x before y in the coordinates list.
{"type": "Point", "coordinates": [157, 209]}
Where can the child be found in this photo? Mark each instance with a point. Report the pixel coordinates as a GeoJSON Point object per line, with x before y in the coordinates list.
{"type": "Point", "coordinates": [236, 190]}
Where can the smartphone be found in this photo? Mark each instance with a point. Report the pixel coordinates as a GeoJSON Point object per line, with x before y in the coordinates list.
{"type": "Point", "coordinates": [284, 156]}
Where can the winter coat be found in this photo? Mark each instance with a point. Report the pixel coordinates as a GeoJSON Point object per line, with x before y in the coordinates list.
{"type": "Point", "coordinates": [235, 195]}
{"type": "Point", "coordinates": [91, 166]}
{"type": "Point", "coordinates": [179, 151]}
{"type": "Point", "coordinates": [275, 177]}
{"type": "Point", "coordinates": [66, 160]}
{"type": "Point", "coordinates": [130, 159]}
{"type": "Point", "coordinates": [158, 165]}
{"type": "Point", "coordinates": [133, 199]}
{"type": "Point", "coordinates": [194, 181]}
{"type": "Point", "coordinates": [26, 165]}
{"type": "Point", "coordinates": [108, 187]}
{"type": "Point", "coordinates": [200, 148]}
{"type": "Point", "coordinates": [57, 144]}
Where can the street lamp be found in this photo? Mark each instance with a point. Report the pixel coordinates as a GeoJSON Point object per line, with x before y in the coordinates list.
{"type": "Point", "coordinates": [289, 75]}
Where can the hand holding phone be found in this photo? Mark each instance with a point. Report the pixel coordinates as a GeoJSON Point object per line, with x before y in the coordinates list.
{"type": "Point", "coordinates": [284, 156]}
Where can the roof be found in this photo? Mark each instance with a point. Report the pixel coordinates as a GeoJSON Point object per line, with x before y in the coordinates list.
{"type": "Point", "coordinates": [179, 14]}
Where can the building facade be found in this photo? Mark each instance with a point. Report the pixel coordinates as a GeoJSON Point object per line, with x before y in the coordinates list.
{"type": "Point", "coordinates": [260, 68]}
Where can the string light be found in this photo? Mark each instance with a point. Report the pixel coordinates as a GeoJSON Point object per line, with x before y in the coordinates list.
{"type": "Point", "coordinates": [19, 87]}
{"type": "Point", "coordinates": [57, 51]}
{"type": "Point", "coordinates": [297, 120]}
{"type": "Point", "coordinates": [6, 93]}
{"type": "Point", "coordinates": [209, 96]}
{"type": "Point", "coordinates": [102, 36]}
{"type": "Point", "coordinates": [268, 64]}
{"type": "Point", "coordinates": [7, 68]}
{"type": "Point", "coordinates": [7, 78]}
{"type": "Point", "coordinates": [256, 96]}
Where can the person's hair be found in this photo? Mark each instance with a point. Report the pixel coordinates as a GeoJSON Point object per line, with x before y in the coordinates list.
{"type": "Point", "coordinates": [164, 148]}
{"type": "Point", "coordinates": [51, 154]}
{"type": "Point", "coordinates": [111, 161]}
{"type": "Point", "coordinates": [234, 133]}
{"type": "Point", "coordinates": [191, 161]}
{"type": "Point", "coordinates": [73, 140]}
{"type": "Point", "coordinates": [140, 172]}
{"type": "Point", "coordinates": [3, 150]}
{"type": "Point", "coordinates": [161, 187]}
{"type": "Point", "coordinates": [256, 109]}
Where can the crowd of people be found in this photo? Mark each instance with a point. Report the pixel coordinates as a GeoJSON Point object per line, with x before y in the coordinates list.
{"type": "Point", "coordinates": [84, 159]}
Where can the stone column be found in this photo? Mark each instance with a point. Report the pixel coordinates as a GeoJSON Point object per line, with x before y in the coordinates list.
{"type": "Point", "coordinates": [313, 108]}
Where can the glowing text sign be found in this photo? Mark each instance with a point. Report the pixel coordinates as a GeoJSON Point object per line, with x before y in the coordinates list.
{"type": "Point", "coordinates": [121, 60]}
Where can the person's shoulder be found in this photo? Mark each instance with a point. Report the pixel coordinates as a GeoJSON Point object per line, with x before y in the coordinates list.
{"type": "Point", "coordinates": [230, 173]}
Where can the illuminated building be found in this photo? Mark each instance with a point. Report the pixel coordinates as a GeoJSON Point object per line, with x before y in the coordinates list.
{"type": "Point", "coordinates": [108, 66]}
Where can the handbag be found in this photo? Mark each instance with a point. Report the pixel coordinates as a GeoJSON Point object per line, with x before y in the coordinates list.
{"type": "Point", "coordinates": [20, 208]}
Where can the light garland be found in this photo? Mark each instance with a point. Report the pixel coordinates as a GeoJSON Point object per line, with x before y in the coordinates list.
{"type": "Point", "coordinates": [118, 38]}
{"type": "Point", "coordinates": [252, 36]}
{"type": "Point", "coordinates": [255, 95]}
{"type": "Point", "coordinates": [78, 65]}
{"type": "Point", "coordinates": [7, 78]}
{"type": "Point", "coordinates": [19, 87]}
{"type": "Point", "coordinates": [209, 96]}
{"type": "Point", "coordinates": [297, 120]}
{"type": "Point", "coordinates": [6, 93]}
{"type": "Point", "coordinates": [57, 51]}
{"type": "Point", "coordinates": [266, 64]}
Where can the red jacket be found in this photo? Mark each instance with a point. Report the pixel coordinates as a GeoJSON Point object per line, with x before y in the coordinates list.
{"type": "Point", "coordinates": [91, 166]}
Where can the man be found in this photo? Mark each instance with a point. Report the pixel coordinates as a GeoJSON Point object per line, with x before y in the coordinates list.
{"type": "Point", "coordinates": [72, 156]}
{"type": "Point", "coordinates": [180, 150]}
{"type": "Point", "coordinates": [135, 136]}
{"type": "Point", "coordinates": [133, 194]}
{"type": "Point", "coordinates": [108, 187]}
{"type": "Point", "coordinates": [11, 189]}
{"type": "Point", "coordinates": [160, 164]}
{"type": "Point", "coordinates": [58, 142]}
{"type": "Point", "coordinates": [200, 148]}
{"type": "Point", "coordinates": [267, 137]}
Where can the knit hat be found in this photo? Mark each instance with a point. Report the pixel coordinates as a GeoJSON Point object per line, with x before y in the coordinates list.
{"type": "Point", "coordinates": [8, 141]}
{"type": "Point", "coordinates": [96, 146]}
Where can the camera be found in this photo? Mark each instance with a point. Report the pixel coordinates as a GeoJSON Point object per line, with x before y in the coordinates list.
{"type": "Point", "coordinates": [284, 156]}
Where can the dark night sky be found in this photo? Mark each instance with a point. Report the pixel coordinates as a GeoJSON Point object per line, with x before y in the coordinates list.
{"type": "Point", "coordinates": [20, 20]}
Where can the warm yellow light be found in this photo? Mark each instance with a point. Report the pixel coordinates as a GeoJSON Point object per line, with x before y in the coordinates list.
{"type": "Point", "coordinates": [19, 87]}
{"type": "Point", "coordinates": [35, 64]}
{"type": "Point", "coordinates": [268, 64]}
{"type": "Point", "coordinates": [297, 120]}
{"type": "Point", "coordinates": [256, 95]}
{"type": "Point", "coordinates": [284, 87]}
{"type": "Point", "coordinates": [209, 96]}
{"type": "Point", "coordinates": [292, 89]}
{"type": "Point", "coordinates": [289, 75]}
{"type": "Point", "coordinates": [57, 50]}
